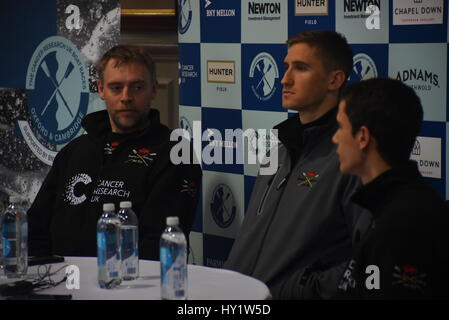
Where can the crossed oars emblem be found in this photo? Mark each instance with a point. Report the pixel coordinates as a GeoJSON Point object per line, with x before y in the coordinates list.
{"type": "Point", "coordinates": [68, 71]}
{"type": "Point", "coordinates": [263, 75]}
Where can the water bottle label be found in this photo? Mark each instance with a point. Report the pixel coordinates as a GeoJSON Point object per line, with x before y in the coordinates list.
{"type": "Point", "coordinates": [166, 262]}
{"type": "Point", "coordinates": [101, 244]}
{"type": "Point", "coordinates": [6, 247]}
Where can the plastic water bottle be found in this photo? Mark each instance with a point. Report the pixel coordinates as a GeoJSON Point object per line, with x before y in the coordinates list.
{"type": "Point", "coordinates": [15, 239]}
{"type": "Point", "coordinates": [129, 241]}
{"type": "Point", "coordinates": [173, 258]}
{"type": "Point", "coordinates": [108, 246]}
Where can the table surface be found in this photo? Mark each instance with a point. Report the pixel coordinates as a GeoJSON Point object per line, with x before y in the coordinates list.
{"type": "Point", "coordinates": [204, 283]}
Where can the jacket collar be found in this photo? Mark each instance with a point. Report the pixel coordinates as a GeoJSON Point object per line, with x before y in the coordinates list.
{"type": "Point", "coordinates": [98, 126]}
{"type": "Point", "coordinates": [380, 190]}
{"type": "Point", "coordinates": [294, 135]}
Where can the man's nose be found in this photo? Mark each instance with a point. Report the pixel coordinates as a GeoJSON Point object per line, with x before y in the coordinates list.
{"type": "Point", "coordinates": [126, 95]}
{"type": "Point", "coordinates": [286, 79]}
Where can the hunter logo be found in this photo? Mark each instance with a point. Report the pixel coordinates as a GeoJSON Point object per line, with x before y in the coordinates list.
{"type": "Point", "coordinates": [142, 156]}
{"type": "Point", "coordinates": [308, 178]}
{"type": "Point", "coordinates": [221, 71]}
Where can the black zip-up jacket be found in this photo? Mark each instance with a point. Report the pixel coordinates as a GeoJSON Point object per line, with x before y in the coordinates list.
{"type": "Point", "coordinates": [100, 167]}
{"type": "Point", "coordinates": [405, 255]}
{"type": "Point", "coordinates": [300, 223]}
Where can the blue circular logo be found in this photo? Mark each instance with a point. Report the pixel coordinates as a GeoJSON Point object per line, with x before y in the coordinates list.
{"type": "Point", "coordinates": [223, 207]}
{"type": "Point", "coordinates": [363, 68]}
{"type": "Point", "coordinates": [263, 74]}
{"type": "Point", "coordinates": [185, 15]}
{"type": "Point", "coordinates": [57, 86]}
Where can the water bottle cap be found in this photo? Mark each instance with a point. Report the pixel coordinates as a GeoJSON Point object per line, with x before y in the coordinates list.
{"type": "Point", "coordinates": [108, 207]}
{"type": "Point", "coordinates": [126, 204]}
{"type": "Point", "coordinates": [172, 221]}
{"type": "Point", "coordinates": [14, 199]}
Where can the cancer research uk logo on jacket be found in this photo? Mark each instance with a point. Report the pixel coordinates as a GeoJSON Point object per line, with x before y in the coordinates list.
{"type": "Point", "coordinates": [58, 96]}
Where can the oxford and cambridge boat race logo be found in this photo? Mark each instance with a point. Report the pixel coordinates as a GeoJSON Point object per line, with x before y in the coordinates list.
{"type": "Point", "coordinates": [57, 86]}
{"type": "Point", "coordinates": [263, 74]}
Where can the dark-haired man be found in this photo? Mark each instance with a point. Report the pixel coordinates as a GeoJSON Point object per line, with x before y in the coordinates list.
{"type": "Point", "coordinates": [125, 155]}
{"type": "Point", "coordinates": [300, 223]}
{"type": "Point", "coordinates": [405, 253]}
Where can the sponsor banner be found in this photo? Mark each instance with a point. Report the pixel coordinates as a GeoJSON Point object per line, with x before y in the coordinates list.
{"type": "Point", "coordinates": [427, 153]}
{"type": "Point", "coordinates": [216, 250]}
{"type": "Point", "coordinates": [262, 71]}
{"type": "Point", "coordinates": [363, 21]}
{"type": "Point", "coordinates": [188, 21]}
{"type": "Point", "coordinates": [222, 140]}
{"type": "Point", "coordinates": [407, 26]}
{"type": "Point", "coordinates": [220, 21]}
{"type": "Point", "coordinates": [264, 21]}
{"type": "Point", "coordinates": [262, 139]}
{"type": "Point", "coordinates": [370, 61]}
{"type": "Point", "coordinates": [406, 12]}
{"type": "Point", "coordinates": [220, 79]}
{"type": "Point", "coordinates": [223, 203]}
{"type": "Point", "coordinates": [306, 15]}
{"type": "Point", "coordinates": [189, 74]}
{"type": "Point", "coordinates": [424, 68]}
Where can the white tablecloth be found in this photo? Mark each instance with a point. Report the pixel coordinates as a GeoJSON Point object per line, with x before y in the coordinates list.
{"type": "Point", "coordinates": [204, 283]}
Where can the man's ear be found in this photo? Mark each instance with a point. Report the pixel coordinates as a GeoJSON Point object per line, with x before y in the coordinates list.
{"type": "Point", "coordinates": [100, 89]}
{"type": "Point", "coordinates": [364, 138]}
{"type": "Point", "coordinates": [337, 78]}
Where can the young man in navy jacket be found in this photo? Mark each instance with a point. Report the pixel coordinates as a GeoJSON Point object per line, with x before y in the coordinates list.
{"type": "Point", "coordinates": [405, 253]}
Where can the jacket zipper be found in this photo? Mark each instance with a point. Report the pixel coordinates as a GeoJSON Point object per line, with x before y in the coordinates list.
{"type": "Point", "coordinates": [265, 194]}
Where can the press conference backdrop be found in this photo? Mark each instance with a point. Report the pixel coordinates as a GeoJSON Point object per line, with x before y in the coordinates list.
{"type": "Point", "coordinates": [230, 68]}
{"type": "Point", "coordinates": [231, 64]}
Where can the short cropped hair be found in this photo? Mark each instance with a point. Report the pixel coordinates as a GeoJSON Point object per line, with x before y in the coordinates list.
{"type": "Point", "coordinates": [125, 54]}
{"type": "Point", "coordinates": [331, 47]}
{"type": "Point", "coordinates": [392, 112]}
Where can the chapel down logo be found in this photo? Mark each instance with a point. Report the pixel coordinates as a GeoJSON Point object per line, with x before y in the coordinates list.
{"type": "Point", "coordinates": [223, 206]}
{"type": "Point", "coordinates": [185, 15]}
{"type": "Point", "coordinates": [263, 74]}
{"type": "Point", "coordinates": [58, 96]}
